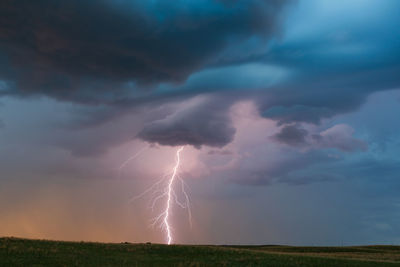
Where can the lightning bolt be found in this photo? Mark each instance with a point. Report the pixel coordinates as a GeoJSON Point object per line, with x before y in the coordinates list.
{"type": "Point", "coordinates": [170, 184]}
{"type": "Point", "coordinates": [166, 188]}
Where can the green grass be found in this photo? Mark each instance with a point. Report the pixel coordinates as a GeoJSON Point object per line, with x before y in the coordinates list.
{"type": "Point", "coordinates": [25, 252]}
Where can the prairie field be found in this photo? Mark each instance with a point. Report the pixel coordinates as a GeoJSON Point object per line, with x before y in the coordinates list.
{"type": "Point", "coordinates": [27, 252]}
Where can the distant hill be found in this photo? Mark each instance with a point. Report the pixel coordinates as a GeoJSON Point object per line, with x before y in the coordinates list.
{"type": "Point", "coordinates": [26, 252]}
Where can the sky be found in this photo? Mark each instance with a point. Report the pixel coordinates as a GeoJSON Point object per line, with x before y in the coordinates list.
{"type": "Point", "coordinates": [288, 112]}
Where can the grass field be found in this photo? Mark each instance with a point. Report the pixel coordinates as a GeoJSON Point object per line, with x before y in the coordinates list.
{"type": "Point", "coordinates": [25, 252]}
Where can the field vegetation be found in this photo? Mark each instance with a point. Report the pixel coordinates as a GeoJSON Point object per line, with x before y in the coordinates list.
{"type": "Point", "coordinates": [25, 252]}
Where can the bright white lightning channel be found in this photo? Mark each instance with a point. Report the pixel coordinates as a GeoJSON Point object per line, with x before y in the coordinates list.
{"type": "Point", "coordinates": [170, 184]}
{"type": "Point", "coordinates": [166, 188]}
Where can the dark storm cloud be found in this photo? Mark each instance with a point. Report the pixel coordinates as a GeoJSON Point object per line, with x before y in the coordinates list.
{"type": "Point", "coordinates": [92, 51]}
{"type": "Point", "coordinates": [204, 123]}
{"type": "Point", "coordinates": [128, 53]}
{"type": "Point", "coordinates": [324, 95]}
{"type": "Point", "coordinates": [339, 136]}
{"type": "Point", "coordinates": [291, 135]}
{"type": "Point", "coordinates": [336, 63]}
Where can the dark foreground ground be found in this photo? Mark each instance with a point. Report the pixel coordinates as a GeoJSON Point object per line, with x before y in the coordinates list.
{"type": "Point", "coordinates": [24, 252]}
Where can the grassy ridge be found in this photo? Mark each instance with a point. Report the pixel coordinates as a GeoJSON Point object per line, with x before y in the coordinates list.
{"type": "Point", "coordinates": [24, 252]}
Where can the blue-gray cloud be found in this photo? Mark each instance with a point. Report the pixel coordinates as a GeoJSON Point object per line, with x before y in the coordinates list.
{"type": "Point", "coordinates": [339, 136]}
{"type": "Point", "coordinates": [291, 135]}
{"type": "Point", "coordinates": [92, 51]}
{"type": "Point", "coordinates": [129, 53]}
{"type": "Point", "coordinates": [203, 123]}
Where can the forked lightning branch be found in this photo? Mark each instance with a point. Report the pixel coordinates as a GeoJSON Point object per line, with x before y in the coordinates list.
{"type": "Point", "coordinates": [168, 191]}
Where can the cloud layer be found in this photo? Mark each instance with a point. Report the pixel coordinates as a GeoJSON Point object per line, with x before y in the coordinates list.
{"type": "Point", "coordinates": [126, 54]}
{"type": "Point", "coordinates": [105, 50]}
{"type": "Point", "coordinates": [206, 122]}
{"type": "Point", "coordinates": [339, 136]}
